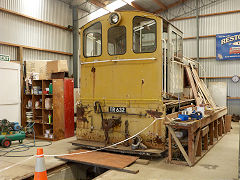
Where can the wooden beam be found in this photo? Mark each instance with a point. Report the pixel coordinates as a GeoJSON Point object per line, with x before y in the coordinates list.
{"type": "Point", "coordinates": [20, 59]}
{"type": "Point", "coordinates": [210, 57]}
{"type": "Point", "coordinates": [34, 19]}
{"type": "Point", "coordinates": [171, 6]}
{"type": "Point", "coordinates": [136, 6]}
{"type": "Point", "coordinates": [179, 145]}
{"type": "Point", "coordinates": [97, 3]}
{"type": "Point", "coordinates": [191, 81]}
{"type": "Point", "coordinates": [196, 144]}
{"type": "Point", "coordinates": [217, 77]}
{"type": "Point", "coordinates": [160, 4]}
{"type": "Point", "coordinates": [205, 15]}
{"type": "Point", "coordinates": [233, 97]}
{"type": "Point", "coordinates": [35, 48]}
{"type": "Point", "coordinates": [194, 37]}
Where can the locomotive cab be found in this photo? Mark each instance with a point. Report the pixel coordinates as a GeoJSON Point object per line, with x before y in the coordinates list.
{"type": "Point", "coordinates": [129, 61]}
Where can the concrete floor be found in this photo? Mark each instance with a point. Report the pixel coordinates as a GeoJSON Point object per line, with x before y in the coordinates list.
{"type": "Point", "coordinates": [26, 169]}
{"type": "Point", "coordinates": [220, 163]}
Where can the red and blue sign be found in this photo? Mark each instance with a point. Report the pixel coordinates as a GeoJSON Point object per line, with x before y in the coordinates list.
{"type": "Point", "coordinates": [228, 46]}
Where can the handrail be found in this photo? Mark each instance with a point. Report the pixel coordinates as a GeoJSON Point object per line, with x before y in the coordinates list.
{"type": "Point", "coordinates": [118, 60]}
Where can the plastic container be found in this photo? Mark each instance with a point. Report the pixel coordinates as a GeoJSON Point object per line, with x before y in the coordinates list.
{"type": "Point", "coordinates": [50, 88]}
{"type": "Point", "coordinates": [183, 117]}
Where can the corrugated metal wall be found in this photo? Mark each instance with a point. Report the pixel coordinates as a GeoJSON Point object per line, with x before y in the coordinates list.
{"type": "Point", "coordinates": [23, 31]}
{"type": "Point", "coordinates": [211, 25]}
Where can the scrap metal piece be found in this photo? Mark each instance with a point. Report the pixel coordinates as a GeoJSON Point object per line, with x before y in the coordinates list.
{"type": "Point", "coordinates": [155, 114]}
{"type": "Point", "coordinates": [137, 143]}
{"type": "Point", "coordinates": [107, 124]}
{"type": "Point", "coordinates": [126, 133]}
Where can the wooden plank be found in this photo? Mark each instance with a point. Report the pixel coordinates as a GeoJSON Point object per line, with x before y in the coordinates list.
{"type": "Point", "coordinates": [35, 48]}
{"type": "Point", "coordinates": [169, 146]}
{"type": "Point", "coordinates": [191, 81]}
{"type": "Point", "coordinates": [205, 131]}
{"type": "Point", "coordinates": [228, 119]}
{"type": "Point", "coordinates": [101, 159]}
{"type": "Point", "coordinates": [196, 144]}
{"type": "Point", "coordinates": [220, 128]}
{"type": "Point", "coordinates": [202, 87]}
{"type": "Point", "coordinates": [179, 145]}
{"type": "Point", "coordinates": [58, 109]}
{"type": "Point", "coordinates": [217, 77]}
{"type": "Point", "coordinates": [216, 129]}
{"type": "Point", "coordinates": [191, 153]}
{"type": "Point", "coordinates": [194, 37]}
{"type": "Point", "coordinates": [199, 149]}
{"type": "Point", "coordinates": [20, 59]}
{"type": "Point", "coordinates": [205, 15]}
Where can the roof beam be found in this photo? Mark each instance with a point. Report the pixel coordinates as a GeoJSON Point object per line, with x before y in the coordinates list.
{"type": "Point", "coordinates": [136, 6]}
{"type": "Point", "coordinates": [97, 3]}
{"type": "Point", "coordinates": [160, 4]}
{"type": "Point", "coordinates": [171, 6]}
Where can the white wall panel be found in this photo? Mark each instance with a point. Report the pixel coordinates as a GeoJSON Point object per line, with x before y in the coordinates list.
{"type": "Point", "coordinates": [23, 31]}
{"type": "Point", "coordinates": [9, 50]}
{"type": "Point", "coordinates": [214, 68]}
{"type": "Point", "coordinates": [219, 24]}
{"type": "Point", "coordinates": [10, 92]}
{"type": "Point", "coordinates": [49, 10]}
{"type": "Point", "coordinates": [187, 27]}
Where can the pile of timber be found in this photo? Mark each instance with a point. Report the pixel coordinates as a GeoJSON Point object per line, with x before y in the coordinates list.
{"type": "Point", "coordinates": [200, 91]}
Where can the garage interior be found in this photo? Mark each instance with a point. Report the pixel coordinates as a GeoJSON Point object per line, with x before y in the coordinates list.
{"type": "Point", "coordinates": [119, 89]}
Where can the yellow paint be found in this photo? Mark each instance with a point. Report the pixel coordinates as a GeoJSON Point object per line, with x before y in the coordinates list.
{"type": "Point", "coordinates": [119, 84]}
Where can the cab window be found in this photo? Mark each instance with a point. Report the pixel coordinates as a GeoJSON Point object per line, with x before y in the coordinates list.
{"type": "Point", "coordinates": [117, 40]}
{"type": "Point", "coordinates": [177, 43]}
{"type": "Point", "coordinates": [144, 35]}
{"type": "Point", "coordinates": [92, 39]}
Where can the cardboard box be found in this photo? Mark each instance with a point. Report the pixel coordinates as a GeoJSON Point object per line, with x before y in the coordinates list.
{"type": "Point", "coordinates": [37, 67]}
{"type": "Point", "coordinates": [57, 66]}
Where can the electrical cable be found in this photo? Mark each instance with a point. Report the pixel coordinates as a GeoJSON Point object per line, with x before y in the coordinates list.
{"type": "Point", "coordinates": [23, 148]}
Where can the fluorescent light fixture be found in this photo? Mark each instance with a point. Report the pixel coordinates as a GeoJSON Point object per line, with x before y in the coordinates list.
{"type": "Point", "coordinates": [115, 5]}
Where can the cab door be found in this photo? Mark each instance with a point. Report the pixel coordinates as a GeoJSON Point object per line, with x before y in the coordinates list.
{"type": "Point", "coordinates": [175, 59]}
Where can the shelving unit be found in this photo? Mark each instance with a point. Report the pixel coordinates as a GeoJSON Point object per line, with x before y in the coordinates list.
{"type": "Point", "coordinates": [62, 122]}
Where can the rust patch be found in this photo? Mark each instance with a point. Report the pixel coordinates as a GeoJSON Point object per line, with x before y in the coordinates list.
{"type": "Point", "coordinates": [107, 124]}
{"type": "Point", "coordinates": [93, 70]}
{"type": "Point", "coordinates": [155, 114]}
{"type": "Point", "coordinates": [81, 114]}
{"type": "Point", "coordinates": [157, 140]}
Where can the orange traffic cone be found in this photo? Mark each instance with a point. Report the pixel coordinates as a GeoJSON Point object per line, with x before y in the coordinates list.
{"type": "Point", "coordinates": [40, 169]}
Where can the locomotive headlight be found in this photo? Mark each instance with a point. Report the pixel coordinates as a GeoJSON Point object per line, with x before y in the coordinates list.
{"type": "Point", "coordinates": [114, 18]}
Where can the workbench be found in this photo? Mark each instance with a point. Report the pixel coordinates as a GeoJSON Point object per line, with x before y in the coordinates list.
{"type": "Point", "coordinates": [202, 135]}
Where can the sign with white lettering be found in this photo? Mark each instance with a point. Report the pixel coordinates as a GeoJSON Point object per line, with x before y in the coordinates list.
{"type": "Point", "coordinates": [4, 57]}
{"type": "Point", "coordinates": [228, 46]}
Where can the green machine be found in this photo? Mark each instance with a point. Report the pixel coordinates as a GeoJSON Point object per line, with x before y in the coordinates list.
{"type": "Point", "coordinates": [10, 131]}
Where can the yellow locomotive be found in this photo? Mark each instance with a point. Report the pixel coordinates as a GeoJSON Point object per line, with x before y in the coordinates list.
{"type": "Point", "coordinates": [129, 61]}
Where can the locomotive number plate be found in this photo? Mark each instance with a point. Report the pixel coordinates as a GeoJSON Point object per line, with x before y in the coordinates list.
{"type": "Point", "coordinates": [117, 109]}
